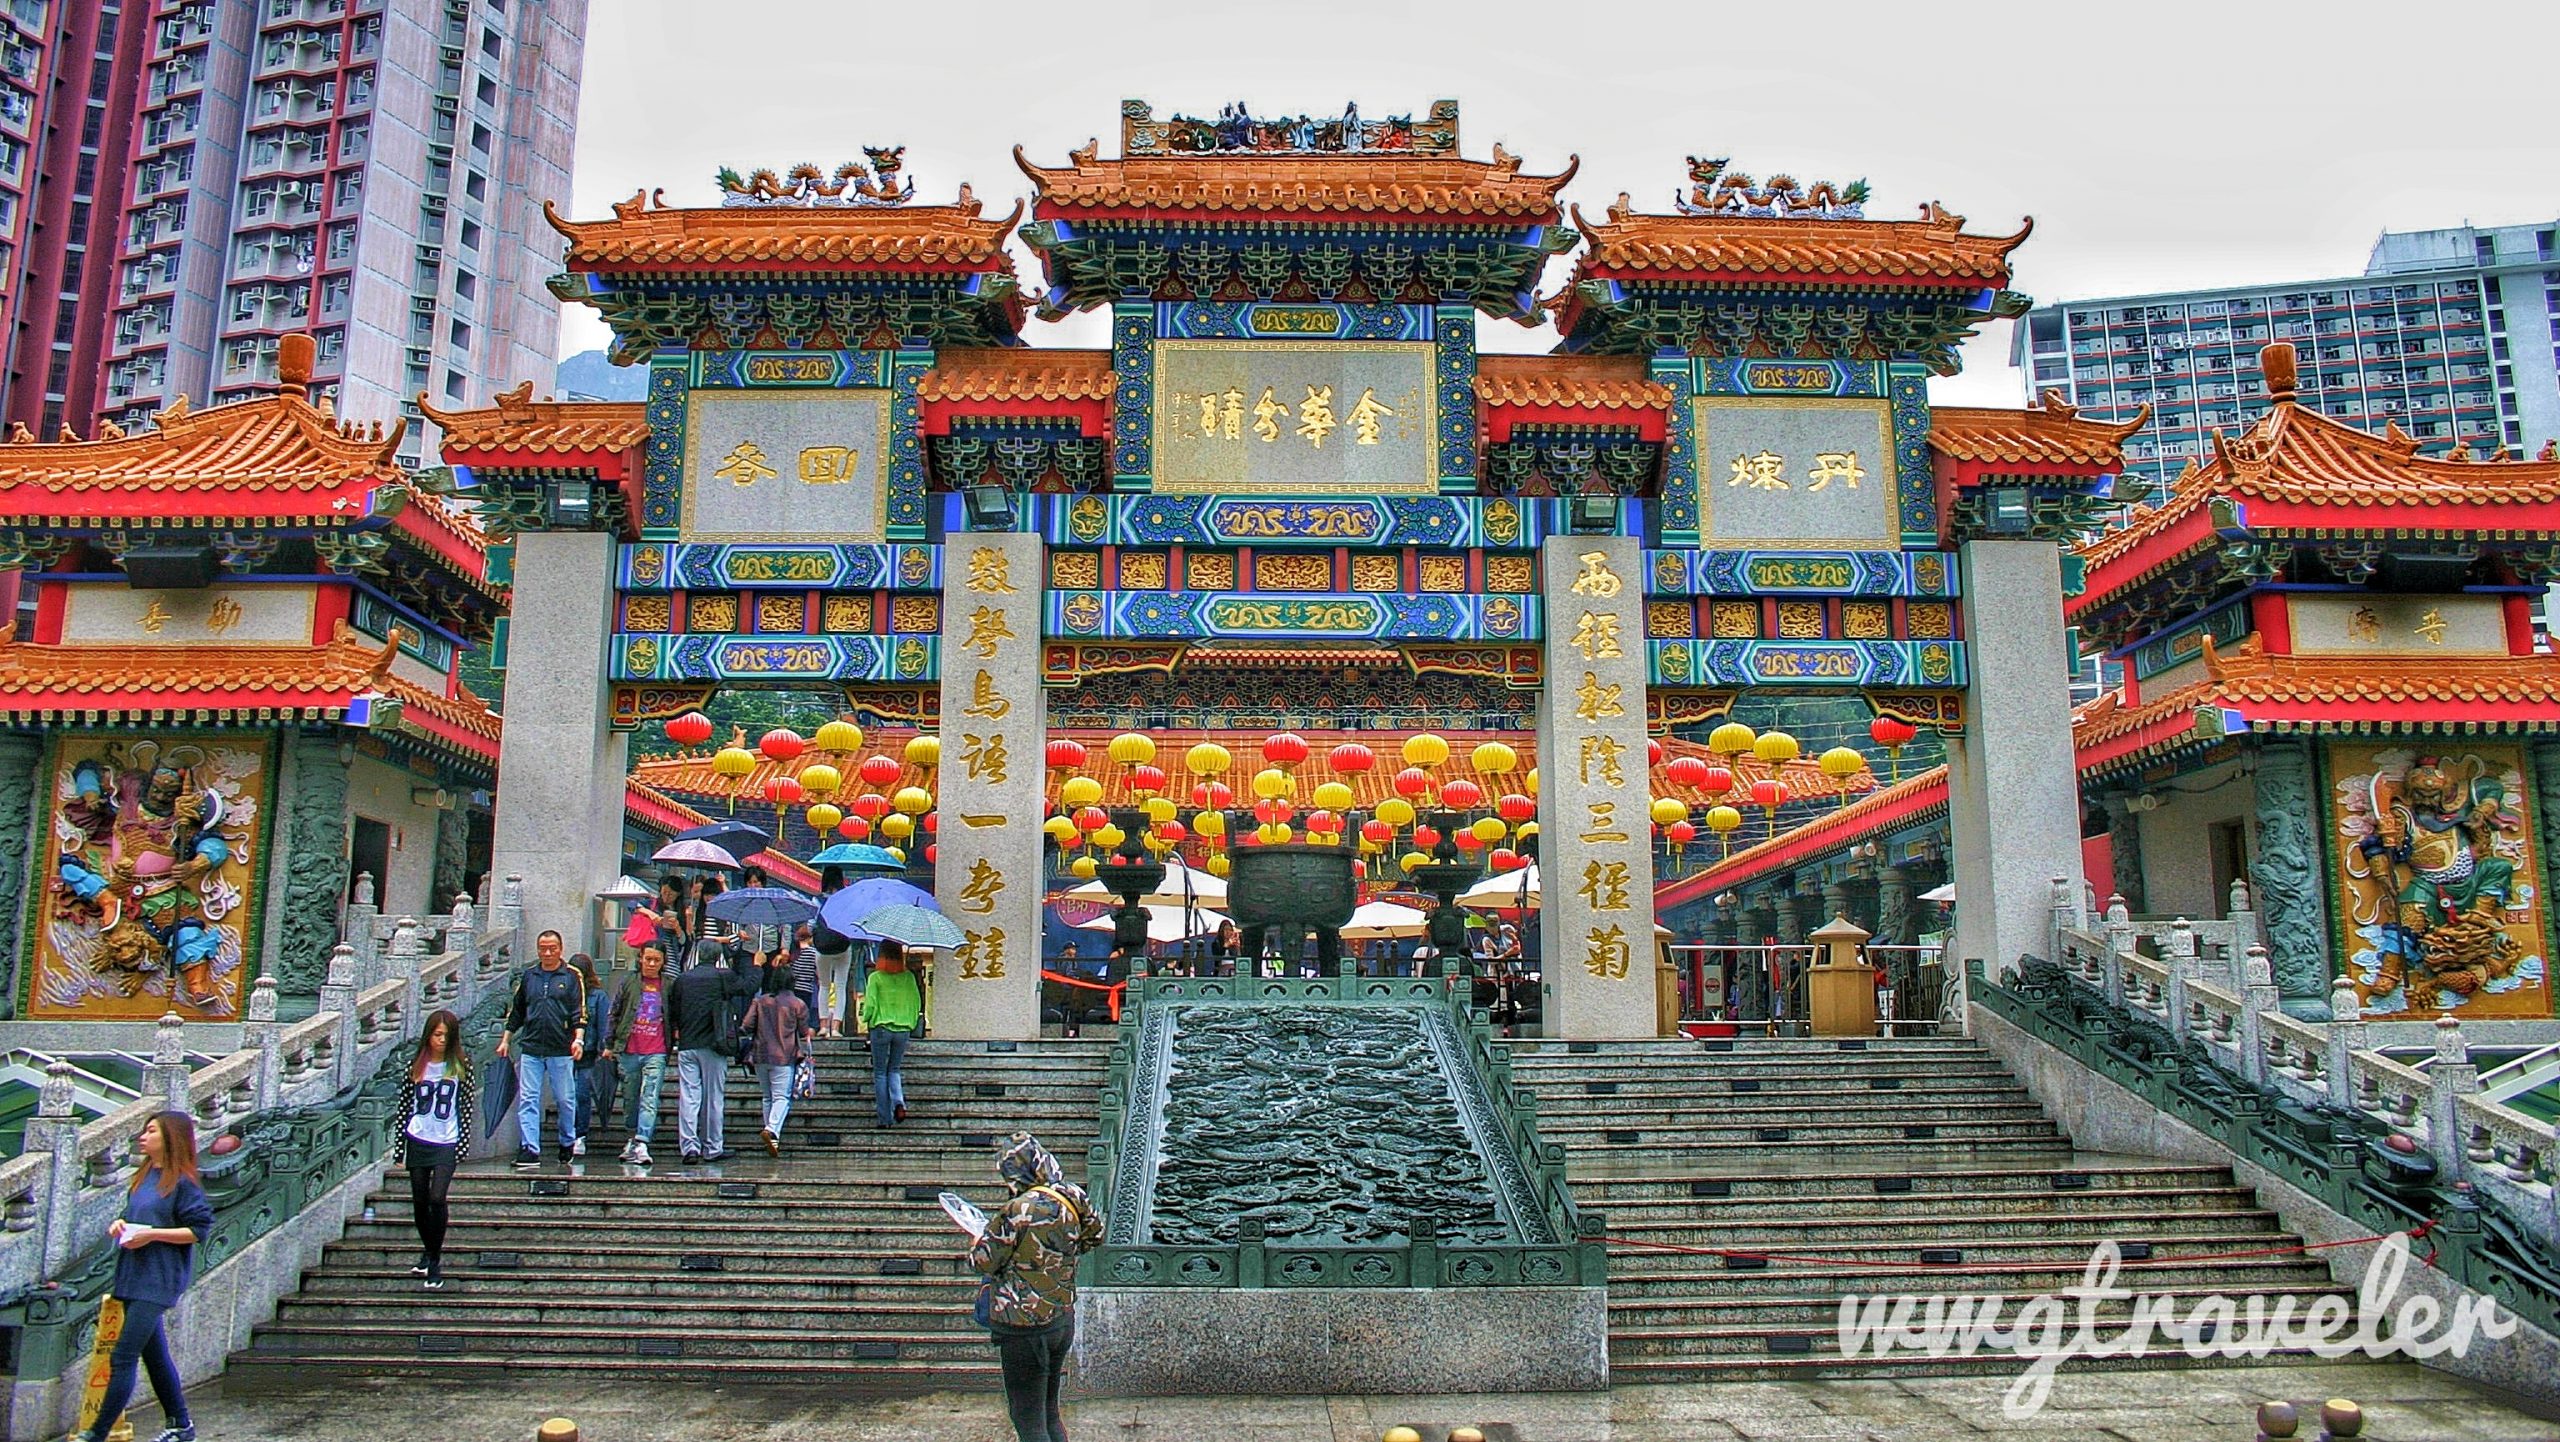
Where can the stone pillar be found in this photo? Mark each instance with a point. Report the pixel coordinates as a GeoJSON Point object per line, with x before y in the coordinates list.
{"type": "Point", "coordinates": [1835, 902]}
{"type": "Point", "coordinates": [1791, 926]}
{"type": "Point", "coordinates": [20, 815]}
{"type": "Point", "coordinates": [561, 766]}
{"type": "Point", "coordinates": [1596, 914]}
{"type": "Point", "coordinates": [2013, 789]}
{"type": "Point", "coordinates": [2287, 878]}
{"type": "Point", "coordinates": [314, 863]}
{"type": "Point", "coordinates": [1893, 907]}
{"type": "Point", "coordinates": [994, 744]}
{"type": "Point", "coordinates": [2124, 843]}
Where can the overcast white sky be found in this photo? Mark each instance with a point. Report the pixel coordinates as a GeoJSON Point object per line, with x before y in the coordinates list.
{"type": "Point", "coordinates": [2159, 145]}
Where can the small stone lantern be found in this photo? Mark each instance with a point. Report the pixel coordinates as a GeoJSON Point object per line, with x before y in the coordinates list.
{"type": "Point", "coordinates": [1841, 992]}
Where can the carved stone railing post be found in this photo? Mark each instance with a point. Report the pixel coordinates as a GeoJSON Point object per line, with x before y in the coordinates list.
{"type": "Point", "coordinates": [2119, 943]}
{"type": "Point", "coordinates": [2346, 1038]}
{"type": "Point", "coordinates": [165, 1079]}
{"type": "Point", "coordinates": [2065, 916]}
{"type": "Point", "coordinates": [55, 1131]}
{"type": "Point", "coordinates": [1250, 1259]}
{"type": "Point", "coordinates": [508, 912]}
{"type": "Point", "coordinates": [2182, 973]}
{"type": "Point", "coordinates": [361, 929]}
{"type": "Point", "coordinates": [461, 940]}
{"type": "Point", "coordinates": [2258, 996]}
{"type": "Point", "coordinates": [338, 995]}
{"type": "Point", "coordinates": [2450, 1079]}
{"type": "Point", "coordinates": [408, 949]}
{"type": "Point", "coordinates": [2244, 921]}
{"type": "Point", "coordinates": [260, 1032]}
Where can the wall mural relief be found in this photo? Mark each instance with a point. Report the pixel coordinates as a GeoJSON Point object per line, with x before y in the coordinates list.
{"type": "Point", "coordinates": [2439, 903]}
{"type": "Point", "coordinates": [148, 882]}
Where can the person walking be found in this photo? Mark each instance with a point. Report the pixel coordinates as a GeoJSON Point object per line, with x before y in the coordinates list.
{"type": "Point", "coordinates": [703, 1038]}
{"type": "Point", "coordinates": [804, 971]}
{"type": "Point", "coordinates": [1028, 1256]}
{"type": "Point", "coordinates": [434, 1117]}
{"type": "Point", "coordinates": [596, 1075]}
{"type": "Point", "coordinates": [674, 924]}
{"type": "Point", "coordinates": [546, 1034]}
{"type": "Point", "coordinates": [778, 1023]}
{"type": "Point", "coordinates": [165, 1214]}
{"type": "Point", "coordinates": [641, 1041]}
{"type": "Point", "coordinates": [892, 1007]}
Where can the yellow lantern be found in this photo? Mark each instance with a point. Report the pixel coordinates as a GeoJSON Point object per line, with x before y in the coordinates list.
{"type": "Point", "coordinates": [1081, 868]}
{"type": "Point", "coordinates": [1212, 824]}
{"type": "Point", "coordinates": [823, 818]}
{"type": "Point", "coordinates": [897, 826]}
{"type": "Point", "coordinates": [1721, 819]}
{"type": "Point", "coordinates": [1130, 748]}
{"type": "Point", "coordinates": [1412, 859]}
{"type": "Point", "coordinates": [1776, 747]}
{"type": "Point", "coordinates": [820, 781]}
{"type": "Point", "coordinates": [1395, 811]}
{"type": "Point", "coordinates": [1063, 831]}
{"type": "Point", "coordinates": [1668, 809]}
{"type": "Point", "coordinates": [1488, 829]}
{"type": "Point", "coordinates": [899, 853]}
{"type": "Point", "coordinates": [1218, 865]}
{"type": "Point", "coordinates": [1271, 782]}
{"type": "Point", "coordinates": [913, 800]}
{"type": "Point", "coordinates": [1424, 749]}
{"type": "Point", "coordinates": [838, 735]}
{"type": "Point", "coordinates": [1730, 739]}
{"type": "Point", "coordinates": [1207, 759]}
{"type": "Point", "coordinates": [733, 762]}
{"type": "Point", "coordinates": [1839, 763]}
{"type": "Point", "coordinates": [1276, 833]}
{"type": "Point", "coordinates": [1159, 809]}
{"type": "Point", "coordinates": [1109, 836]}
{"type": "Point", "coordinates": [1527, 830]}
{"type": "Point", "coordinates": [1080, 791]}
{"type": "Point", "coordinates": [1533, 780]}
{"type": "Point", "coordinates": [1494, 759]}
{"type": "Point", "coordinates": [1333, 796]}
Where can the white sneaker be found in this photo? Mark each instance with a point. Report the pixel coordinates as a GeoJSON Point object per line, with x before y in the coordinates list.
{"type": "Point", "coordinates": [639, 1154]}
{"type": "Point", "coordinates": [628, 1148]}
{"type": "Point", "coordinates": [578, 1148]}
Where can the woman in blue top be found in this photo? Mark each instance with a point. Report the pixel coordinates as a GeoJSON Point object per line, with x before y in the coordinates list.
{"type": "Point", "coordinates": [165, 1215]}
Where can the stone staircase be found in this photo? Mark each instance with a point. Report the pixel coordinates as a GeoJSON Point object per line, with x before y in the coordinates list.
{"type": "Point", "coordinates": [1908, 1166]}
{"type": "Point", "coordinates": [831, 1263]}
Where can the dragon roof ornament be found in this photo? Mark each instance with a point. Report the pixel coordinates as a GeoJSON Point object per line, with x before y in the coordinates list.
{"type": "Point", "coordinates": [1713, 190]}
{"type": "Point", "coordinates": [1238, 131]}
{"type": "Point", "coordinates": [881, 183]}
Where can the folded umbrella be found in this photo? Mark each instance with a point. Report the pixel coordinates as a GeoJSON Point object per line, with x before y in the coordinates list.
{"type": "Point", "coordinates": [750, 907]}
{"type": "Point", "coordinates": [695, 852]}
{"type": "Point", "coordinates": [735, 837]}
{"type": "Point", "coordinates": [843, 912]}
{"type": "Point", "coordinates": [913, 926]}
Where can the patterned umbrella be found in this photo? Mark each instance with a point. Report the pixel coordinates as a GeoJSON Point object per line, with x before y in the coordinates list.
{"type": "Point", "coordinates": [914, 926]}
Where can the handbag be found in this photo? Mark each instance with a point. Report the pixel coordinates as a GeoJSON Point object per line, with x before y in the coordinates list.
{"type": "Point", "coordinates": [804, 1080]}
{"type": "Point", "coordinates": [983, 1311]}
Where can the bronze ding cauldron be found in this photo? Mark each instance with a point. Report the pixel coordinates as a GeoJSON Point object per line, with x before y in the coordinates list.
{"type": "Point", "coordinates": [1296, 888]}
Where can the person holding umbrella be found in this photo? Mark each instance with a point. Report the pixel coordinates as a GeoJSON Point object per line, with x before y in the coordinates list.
{"type": "Point", "coordinates": [892, 1008]}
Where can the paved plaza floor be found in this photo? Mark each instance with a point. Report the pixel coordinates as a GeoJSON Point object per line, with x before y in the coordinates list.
{"type": "Point", "coordinates": [2403, 1403]}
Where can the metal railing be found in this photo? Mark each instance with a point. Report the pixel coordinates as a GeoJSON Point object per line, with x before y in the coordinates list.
{"type": "Point", "coordinates": [1763, 987]}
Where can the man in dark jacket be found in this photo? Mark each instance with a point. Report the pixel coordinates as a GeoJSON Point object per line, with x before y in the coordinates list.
{"type": "Point", "coordinates": [705, 1035]}
{"type": "Point", "coordinates": [546, 1034]}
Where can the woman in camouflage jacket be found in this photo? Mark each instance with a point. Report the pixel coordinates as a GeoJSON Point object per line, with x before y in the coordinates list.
{"type": "Point", "coordinates": [1028, 1256]}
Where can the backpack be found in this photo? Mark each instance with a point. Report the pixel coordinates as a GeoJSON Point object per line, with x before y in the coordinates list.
{"type": "Point", "coordinates": [728, 1040]}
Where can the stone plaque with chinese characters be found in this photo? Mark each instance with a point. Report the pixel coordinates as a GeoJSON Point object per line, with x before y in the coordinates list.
{"type": "Point", "coordinates": [994, 742]}
{"type": "Point", "coordinates": [1795, 473]}
{"type": "Point", "coordinates": [1595, 881]}
{"type": "Point", "coordinates": [809, 465]}
{"type": "Point", "coordinates": [2367, 623]}
{"type": "Point", "coordinates": [1279, 417]}
{"type": "Point", "coordinates": [111, 615]}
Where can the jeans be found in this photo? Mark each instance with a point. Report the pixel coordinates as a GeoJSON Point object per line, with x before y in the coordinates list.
{"type": "Point", "coordinates": [777, 1077]}
{"type": "Point", "coordinates": [1034, 1364]}
{"type": "Point", "coordinates": [642, 1079]}
{"type": "Point", "coordinates": [533, 1073]}
{"type": "Point", "coordinates": [888, 1081]}
{"type": "Point", "coordinates": [702, 1100]}
{"type": "Point", "coordinates": [143, 1340]}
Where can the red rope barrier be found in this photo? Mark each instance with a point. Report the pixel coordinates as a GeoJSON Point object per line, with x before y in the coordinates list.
{"type": "Point", "coordinates": [2413, 1233]}
{"type": "Point", "coordinates": [1115, 988]}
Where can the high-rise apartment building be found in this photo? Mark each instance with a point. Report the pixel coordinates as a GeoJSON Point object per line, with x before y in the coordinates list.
{"type": "Point", "coordinates": [2453, 335]}
{"type": "Point", "coordinates": [202, 177]}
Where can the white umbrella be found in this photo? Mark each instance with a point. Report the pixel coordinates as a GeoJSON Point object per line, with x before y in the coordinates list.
{"type": "Point", "coordinates": [1164, 923]}
{"type": "Point", "coordinates": [1385, 918]}
{"type": "Point", "coordinates": [1940, 893]}
{"type": "Point", "coordinates": [1501, 892]}
{"type": "Point", "coordinates": [1202, 887]}
{"type": "Point", "coordinates": [695, 853]}
{"type": "Point", "coordinates": [626, 889]}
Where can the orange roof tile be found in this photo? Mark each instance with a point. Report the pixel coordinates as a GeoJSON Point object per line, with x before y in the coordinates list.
{"type": "Point", "coordinates": [1932, 250]}
{"type": "Point", "coordinates": [2051, 436]}
{"type": "Point", "coordinates": [1596, 382]}
{"type": "Point", "coordinates": [518, 422]}
{"type": "Point", "coordinates": [274, 443]}
{"type": "Point", "coordinates": [1891, 808]}
{"type": "Point", "coordinates": [642, 235]}
{"type": "Point", "coordinates": [1017, 374]}
{"type": "Point", "coordinates": [1364, 183]}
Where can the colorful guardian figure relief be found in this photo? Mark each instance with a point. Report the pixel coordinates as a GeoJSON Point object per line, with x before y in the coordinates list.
{"type": "Point", "coordinates": [149, 873]}
{"type": "Point", "coordinates": [2436, 857]}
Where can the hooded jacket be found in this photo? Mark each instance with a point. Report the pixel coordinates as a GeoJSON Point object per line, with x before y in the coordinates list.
{"type": "Point", "coordinates": [1030, 1248]}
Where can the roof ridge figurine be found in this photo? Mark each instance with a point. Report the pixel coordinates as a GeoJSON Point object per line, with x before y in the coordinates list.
{"type": "Point", "coordinates": [882, 183]}
{"type": "Point", "coordinates": [1713, 190]}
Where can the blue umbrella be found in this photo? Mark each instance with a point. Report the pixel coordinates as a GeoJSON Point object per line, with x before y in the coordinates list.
{"type": "Point", "coordinates": [761, 906]}
{"type": "Point", "coordinates": [914, 926]}
{"type": "Point", "coordinates": [844, 911]}
{"type": "Point", "coordinates": [858, 856]}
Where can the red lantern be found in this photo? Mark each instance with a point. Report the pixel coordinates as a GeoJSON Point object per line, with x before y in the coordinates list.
{"type": "Point", "coordinates": [690, 729]}
{"type": "Point", "coordinates": [1323, 822]}
{"type": "Point", "coordinates": [1065, 755]}
{"type": "Point", "coordinates": [782, 790]}
{"type": "Point", "coordinates": [1682, 832]}
{"type": "Point", "coordinates": [1686, 771]}
{"type": "Point", "coordinates": [1462, 794]}
{"type": "Point", "coordinates": [1271, 811]}
{"type": "Point", "coordinates": [1412, 781]}
{"type": "Point", "coordinates": [1359, 871]}
{"type": "Point", "coordinates": [1716, 782]}
{"type": "Point", "coordinates": [1350, 758]}
{"type": "Point", "coordinates": [1092, 819]}
{"type": "Point", "coordinates": [1171, 832]}
{"type": "Point", "coordinates": [1515, 807]}
{"type": "Point", "coordinates": [871, 808]}
{"type": "Point", "coordinates": [1211, 795]}
{"type": "Point", "coordinates": [1504, 859]}
{"type": "Point", "coordinates": [1425, 837]}
{"type": "Point", "coordinates": [1653, 751]}
{"type": "Point", "coordinates": [1284, 749]}
{"type": "Point", "coordinates": [853, 828]}
{"type": "Point", "coordinates": [933, 823]}
{"type": "Point", "coordinates": [877, 770]}
{"type": "Point", "coordinates": [1891, 732]}
{"type": "Point", "coordinates": [1468, 841]}
{"type": "Point", "coordinates": [1768, 793]}
{"type": "Point", "coordinates": [782, 743]}
{"type": "Point", "coordinates": [932, 852]}
{"type": "Point", "coordinates": [1146, 780]}
{"type": "Point", "coordinates": [1377, 832]}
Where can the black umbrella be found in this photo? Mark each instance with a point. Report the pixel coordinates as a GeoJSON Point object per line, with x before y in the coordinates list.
{"type": "Point", "coordinates": [735, 837]}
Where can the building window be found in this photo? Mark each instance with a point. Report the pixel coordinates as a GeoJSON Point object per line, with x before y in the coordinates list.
{"type": "Point", "coordinates": [453, 385]}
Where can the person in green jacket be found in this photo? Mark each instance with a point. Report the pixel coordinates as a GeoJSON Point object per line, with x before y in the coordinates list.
{"type": "Point", "coordinates": [892, 1006]}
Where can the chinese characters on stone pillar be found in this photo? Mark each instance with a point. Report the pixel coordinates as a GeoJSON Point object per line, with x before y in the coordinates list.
{"type": "Point", "coordinates": [1595, 842]}
{"type": "Point", "coordinates": [992, 719]}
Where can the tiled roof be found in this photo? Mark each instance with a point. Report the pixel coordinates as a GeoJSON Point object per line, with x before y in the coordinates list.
{"type": "Point", "coordinates": [1438, 187]}
{"type": "Point", "coordinates": [1017, 374]}
{"type": "Point", "coordinates": [1912, 800]}
{"type": "Point", "coordinates": [275, 443]}
{"type": "Point", "coordinates": [1934, 250]}
{"type": "Point", "coordinates": [1587, 382]}
{"type": "Point", "coordinates": [643, 236]}
{"type": "Point", "coordinates": [518, 422]}
{"type": "Point", "coordinates": [2052, 436]}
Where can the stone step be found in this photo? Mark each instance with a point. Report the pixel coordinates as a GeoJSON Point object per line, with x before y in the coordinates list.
{"type": "Point", "coordinates": [321, 1367]}
{"type": "Point", "coordinates": [1970, 1255]}
{"type": "Point", "coordinates": [809, 1210]}
{"type": "Point", "coordinates": [1705, 1280]}
{"type": "Point", "coordinates": [815, 1238]}
{"type": "Point", "coordinates": [1744, 1091]}
{"type": "Point", "coordinates": [1853, 1210]}
{"type": "Point", "coordinates": [841, 1305]}
{"type": "Point", "coordinates": [672, 1186]}
{"type": "Point", "coordinates": [1824, 1234]}
{"type": "Point", "coordinates": [1852, 1183]}
{"type": "Point", "coordinates": [1657, 1327]}
{"type": "Point", "coordinates": [1585, 1113]}
{"type": "Point", "coordinates": [536, 1248]}
{"type": "Point", "coordinates": [802, 1337]}
{"type": "Point", "coordinates": [1745, 1045]}
{"type": "Point", "coordinates": [1944, 1129]}
{"type": "Point", "coordinates": [1642, 1370]}
{"type": "Point", "coordinates": [617, 1283]}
